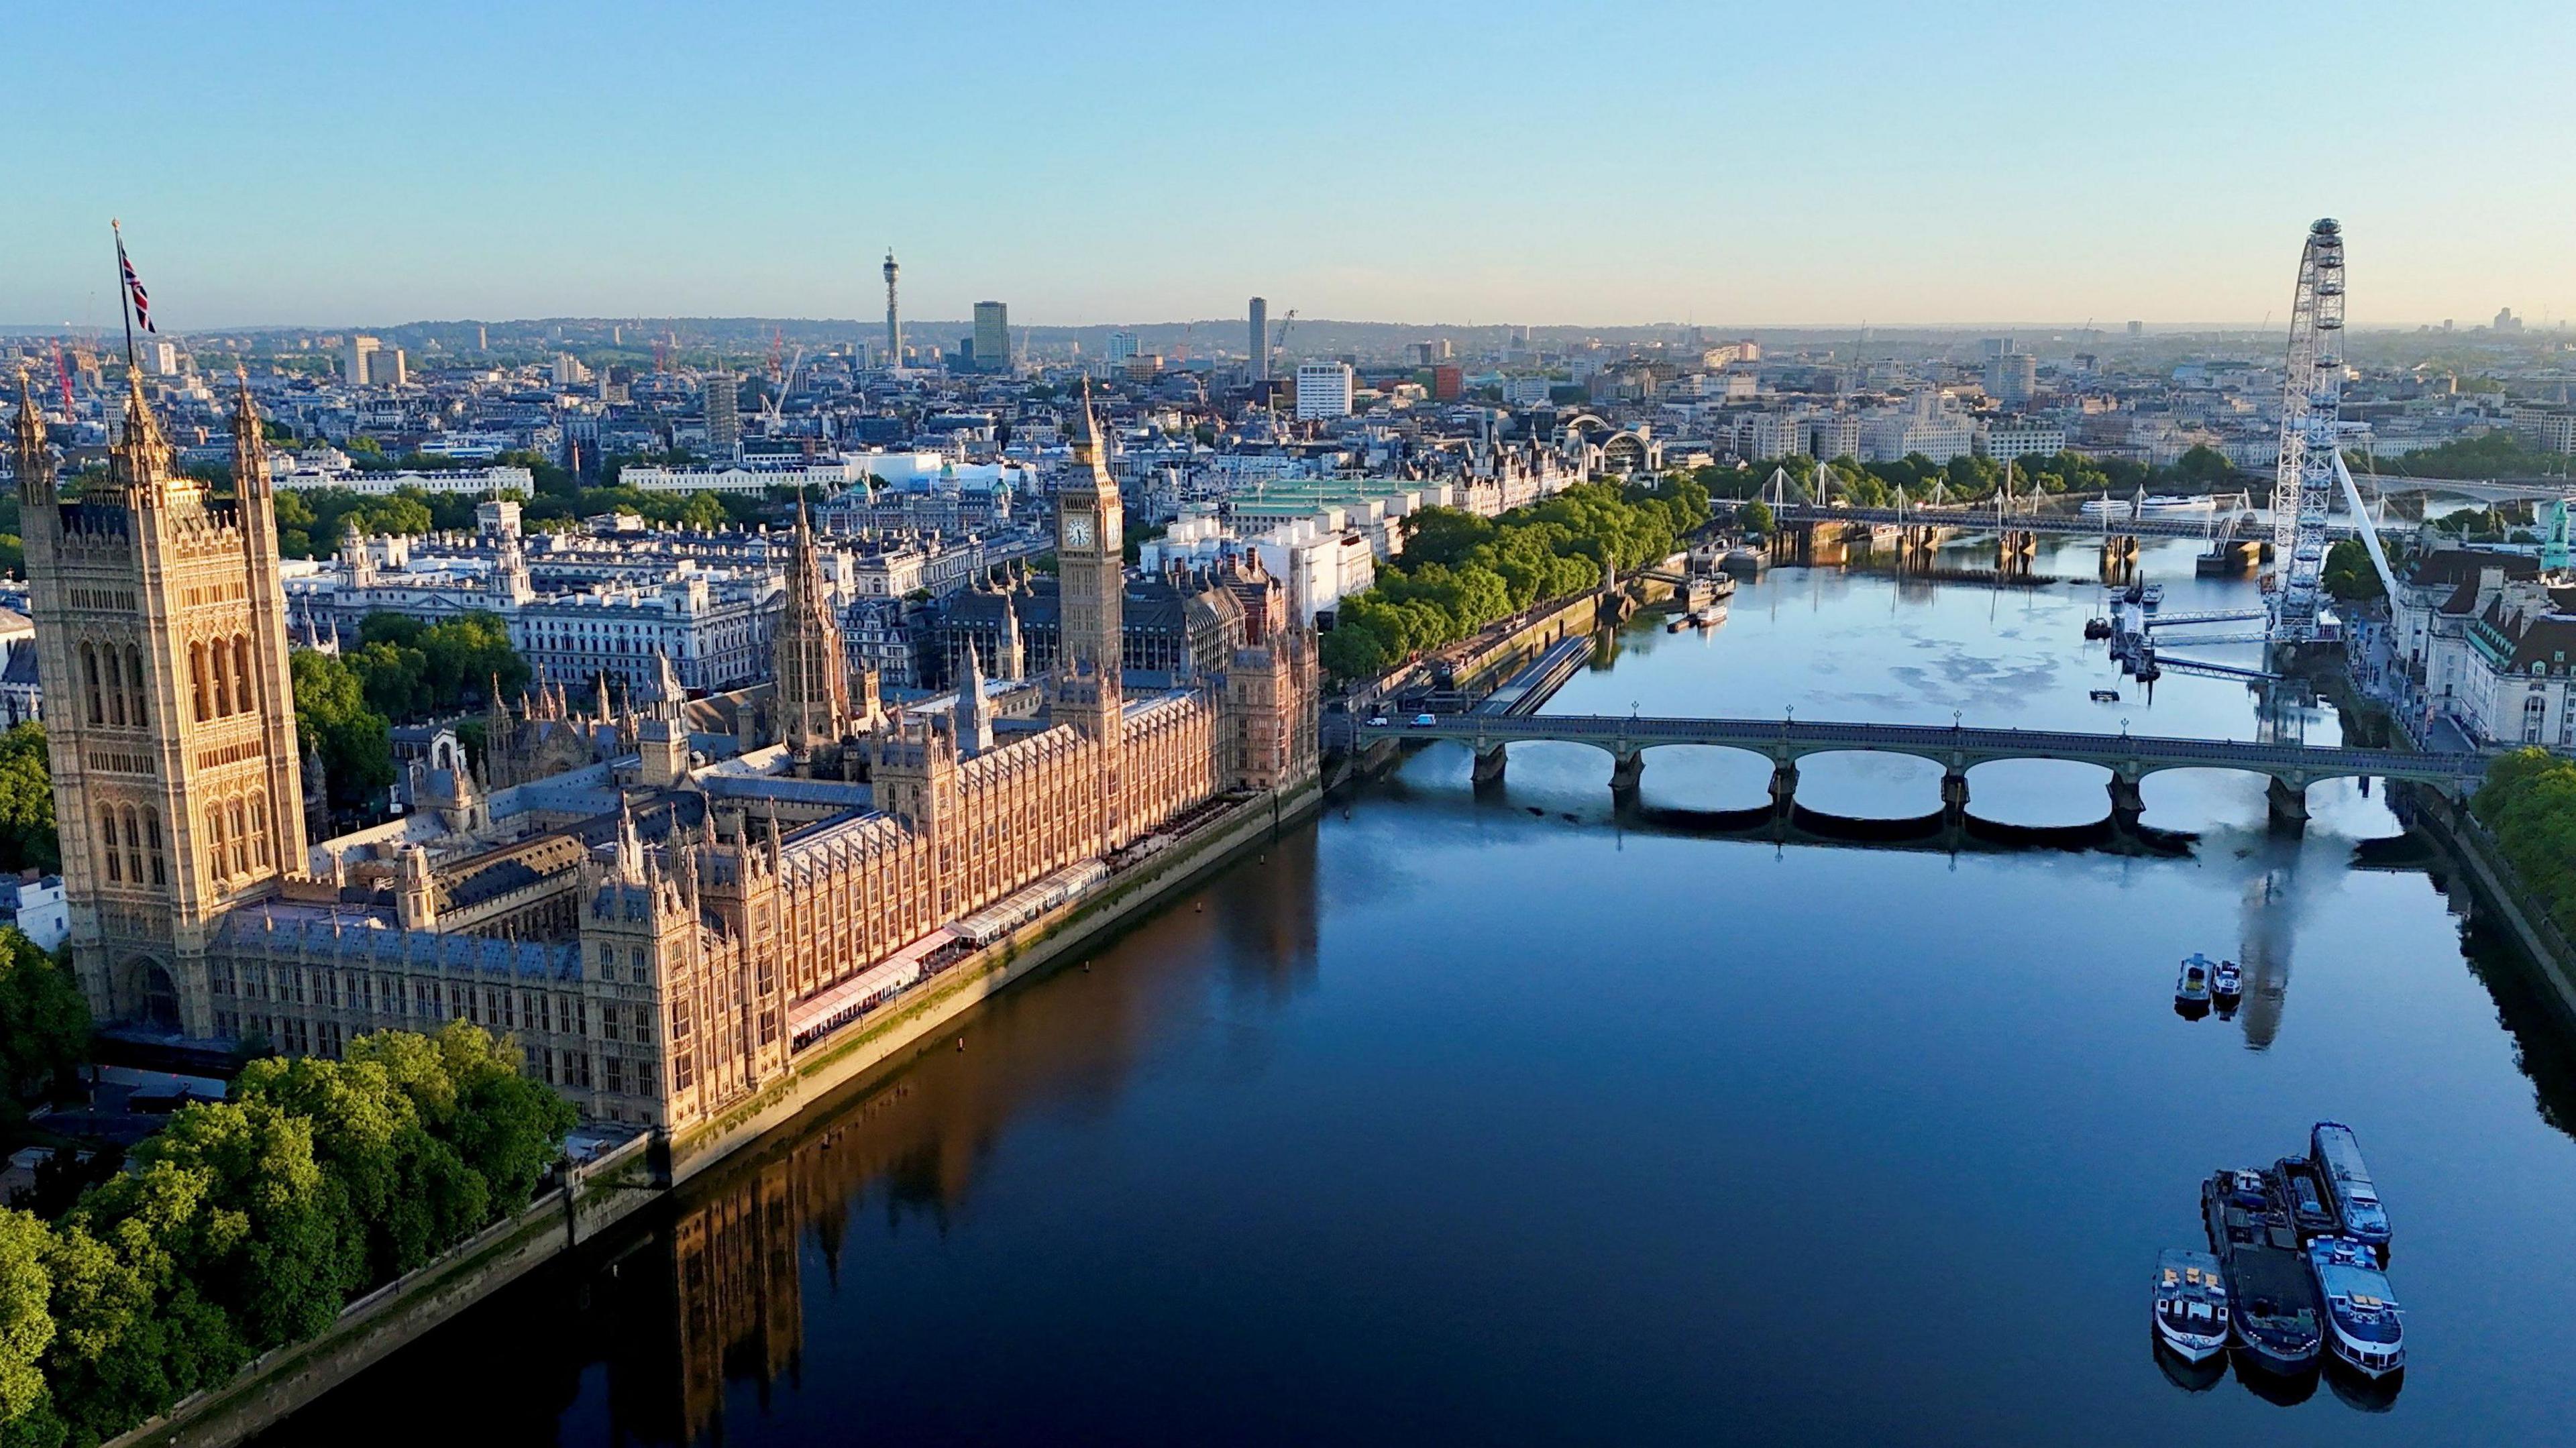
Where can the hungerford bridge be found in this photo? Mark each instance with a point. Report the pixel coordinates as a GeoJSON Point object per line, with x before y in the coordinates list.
{"type": "Point", "coordinates": [2130, 757]}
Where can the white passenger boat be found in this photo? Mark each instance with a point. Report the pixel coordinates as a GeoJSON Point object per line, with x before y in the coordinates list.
{"type": "Point", "coordinates": [2190, 1305]}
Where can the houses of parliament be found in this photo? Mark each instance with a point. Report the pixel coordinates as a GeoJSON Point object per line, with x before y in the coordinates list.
{"type": "Point", "coordinates": [670, 916]}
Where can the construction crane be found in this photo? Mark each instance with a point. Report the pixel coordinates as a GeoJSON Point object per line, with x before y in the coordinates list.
{"type": "Point", "coordinates": [1280, 349]}
{"type": "Point", "coordinates": [773, 405]}
{"type": "Point", "coordinates": [777, 356]}
{"type": "Point", "coordinates": [63, 375]}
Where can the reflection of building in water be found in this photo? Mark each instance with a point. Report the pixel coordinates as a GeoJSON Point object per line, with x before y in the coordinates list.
{"type": "Point", "coordinates": [2266, 955]}
{"type": "Point", "coordinates": [912, 1148]}
{"type": "Point", "coordinates": [740, 1313]}
{"type": "Point", "coordinates": [1268, 916]}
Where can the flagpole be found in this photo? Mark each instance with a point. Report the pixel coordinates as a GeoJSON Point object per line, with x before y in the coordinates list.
{"type": "Point", "coordinates": [124, 293]}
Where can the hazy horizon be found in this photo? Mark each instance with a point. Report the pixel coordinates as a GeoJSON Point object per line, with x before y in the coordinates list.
{"type": "Point", "coordinates": [1882, 166]}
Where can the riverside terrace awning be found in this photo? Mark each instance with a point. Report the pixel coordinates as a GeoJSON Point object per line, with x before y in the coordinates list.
{"type": "Point", "coordinates": [844, 1002]}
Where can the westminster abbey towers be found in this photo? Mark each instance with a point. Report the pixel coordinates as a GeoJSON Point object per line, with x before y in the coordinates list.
{"type": "Point", "coordinates": [161, 630]}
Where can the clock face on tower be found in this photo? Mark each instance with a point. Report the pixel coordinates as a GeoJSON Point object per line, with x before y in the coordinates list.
{"type": "Point", "coordinates": [1077, 530]}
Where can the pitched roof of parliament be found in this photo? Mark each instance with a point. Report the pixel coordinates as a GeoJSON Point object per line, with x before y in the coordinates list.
{"type": "Point", "coordinates": [662, 916]}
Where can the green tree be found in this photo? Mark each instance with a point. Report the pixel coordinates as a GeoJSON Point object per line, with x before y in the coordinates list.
{"type": "Point", "coordinates": [294, 524]}
{"type": "Point", "coordinates": [26, 1331]}
{"type": "Point", "coordinates": [131, 1336]}
{"type": "Point", "coordinates": [462, 657]}
{"type": "Point", "coordinates": [44, 1020]}
{"type": "Point", "coordinates": [395, 679]}
{"type": "Point", "coordinates": [466, 1086]}
{"type": "Point", "coordinates": [2349, 574]}
{"type": "Point", "coordinates": [704, 511]}
{"type": "Point", "coordinates": [1754, 516]}
{"type": "Point", "coordinates": [551, 478]}
{"type": "Point", "coordinates": [332, 719]}
{"type": "Point", "coordinates": [411, 1193]}
{"type": "Point", "coordinates": [27, 835]}
{"type": "Point", "coordinates": [2204, 468]}
{"type": "Point", "coordinates": [2497, 454]}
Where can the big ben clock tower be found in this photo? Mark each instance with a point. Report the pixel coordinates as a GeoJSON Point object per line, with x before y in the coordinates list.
{"type": "Point", "coordinates": [1090, 557]}
{"type": "Point", "coordinates": [1092, 585]}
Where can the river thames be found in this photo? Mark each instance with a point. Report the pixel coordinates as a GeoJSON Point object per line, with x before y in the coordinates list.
{"type": "Point", "coordinates": [1511, 1116]}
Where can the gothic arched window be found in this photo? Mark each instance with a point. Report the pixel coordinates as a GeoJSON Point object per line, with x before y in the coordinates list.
{"type": "Point", "coordinates": [89, 678]}
{"type": "Point", "coordinates": [197, 677]}
{"type": "Point", "coordinates": [223, 689]}
{"type": "Point", "coordinates": [259, 832]}
{"type": "Point", "coordinates": [134, 680]}
{"type": "Point", "coordinates": [115, 687]}
{"type": "Point", "coordinates": [241, 674]}
{"type": "Point", "coordinates": [240, 844]}
{"type": "Point", "coordinates": [107, 845]}
{"type": "Point", "coordinates": [152, 838]}
{"type": "Point", "coordinates": [215, 842]}
{"type": "Point", "coordinates": [133, 846]}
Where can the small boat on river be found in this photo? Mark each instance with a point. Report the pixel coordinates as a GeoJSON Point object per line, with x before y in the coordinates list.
{"type": "Point", "coordinates": [2192, 986]}
{"type": "Point", "coordinates": [2279, 1317]}
{"type": "Point", "coordinates": [2295, 1180]}
{"type": "Point", "coordinates": [2349, 1190]}
{"type": "Point", "coordinates": [2190, 1305]}
{"type": "Point", "coordinates": [2369, 1331]}
{"type": "Point", "coordinates": [2227, 984]}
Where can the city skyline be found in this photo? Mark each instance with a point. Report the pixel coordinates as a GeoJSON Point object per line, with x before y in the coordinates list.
{"type": "Point", "coordinates": [1907, 170]}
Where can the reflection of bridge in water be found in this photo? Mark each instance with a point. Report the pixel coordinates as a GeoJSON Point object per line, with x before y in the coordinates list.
{"type": "Point", "coordinates": [2289, 767]}
{"type": "Point", "coordinates": [2242, 526]}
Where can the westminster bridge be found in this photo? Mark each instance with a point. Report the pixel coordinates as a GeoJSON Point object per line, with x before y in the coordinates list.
{"type": "Point", "coordinates": [2130, 758]}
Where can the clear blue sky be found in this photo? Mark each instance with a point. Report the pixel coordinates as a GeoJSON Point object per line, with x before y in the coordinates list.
{"type": "Point", "coordinates": [1761, 164]}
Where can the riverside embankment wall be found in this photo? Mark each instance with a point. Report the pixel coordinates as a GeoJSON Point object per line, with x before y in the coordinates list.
{"type": "Point", "coordinates": [2455, 828]}
{"type": "Point", "coordinates": [591, 1198]}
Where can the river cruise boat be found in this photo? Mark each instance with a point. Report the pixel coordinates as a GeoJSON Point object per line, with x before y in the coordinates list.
{"type": "Point", "coordinates": [2190, 1305]}
{"type": "Point", "coordinates": [2369, 1333]}
{"type": "Point", "coordinates": [2154, 505]}
{"type": "Point", "coordinates": [2227, 983]}
{"type": "Point", "coordinates": [2349, 1190]}
{"type": "Point", "coordinates": [2192, 986]}
{"type": "Point", "coordinates": [2279, 1318]}
{"type": "Point", "coordinates": [2294, 1182]}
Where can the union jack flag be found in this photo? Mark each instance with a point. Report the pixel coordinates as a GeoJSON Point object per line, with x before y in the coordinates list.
{"type": "Point", "coordinates": [134, 288]}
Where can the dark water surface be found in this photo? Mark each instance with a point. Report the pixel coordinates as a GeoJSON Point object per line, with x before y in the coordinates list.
{"type": "Point", "coordinates": [1501, 1118]}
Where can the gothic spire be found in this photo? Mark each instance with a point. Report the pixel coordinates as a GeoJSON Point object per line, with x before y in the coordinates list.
{"type": "Point", "coordinates": [139, 464]}
{"type": "Point", "coordinates": [974, 713]}
{"type": "Point", "coordinates": [35, 460]}
{"type": "Point", "coordinates": [630, 850]}
{"type": "Point", "coordinates": [250, 445]}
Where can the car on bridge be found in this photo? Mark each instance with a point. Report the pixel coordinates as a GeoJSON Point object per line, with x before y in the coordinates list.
{"type": "Point", "coordinates": [1379, 721]}
{"type": "Point", "coordinates": [1425, 721]}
